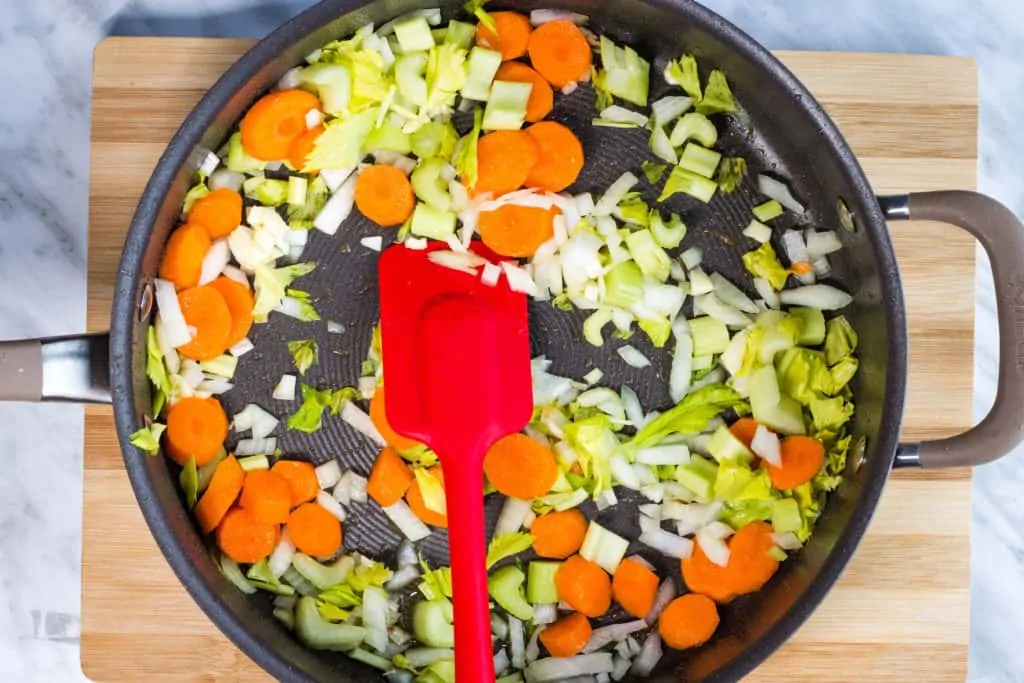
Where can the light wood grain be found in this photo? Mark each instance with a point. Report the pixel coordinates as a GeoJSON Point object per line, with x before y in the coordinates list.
{"type": "Point", "coordinates": [900, 612]}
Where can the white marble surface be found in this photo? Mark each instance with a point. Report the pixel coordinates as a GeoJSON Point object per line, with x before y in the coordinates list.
{"type": "Point", "coordinates": [45, 59]}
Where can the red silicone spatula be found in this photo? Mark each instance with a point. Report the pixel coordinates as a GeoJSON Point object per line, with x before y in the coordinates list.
{"type": "Point", "coordinates": [457, 372]}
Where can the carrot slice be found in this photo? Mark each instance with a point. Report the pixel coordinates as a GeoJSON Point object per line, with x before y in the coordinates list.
{"type": "Point", "coordinates": [220, 212]}
{"type": "Point", "coordinates": [504, 160]}
{"type": "Point", "coordinates": [268, 495]}
{"type": "Point", "coordinates": [205, 310]}
{"type": "Point", "coordinates": [521, 467]}
{"type": "Point", "coordinates": [384, 195]}
{"type": "Point", "coordinates": [390, 478]}
{"type": "Point", "coordinates": [240, 304]}
{"type": "Point", "coordinates": [415, 499]}
{"type": "Point", "coordinates": [744, 429]}
{"type": "Point", "coordinates": [802, 458]}
{"type": "Point", "coordinates": [314, 530]}
{"type": "Point", "coordinates": [560, 53]}
{"type": "Point", "coordinates": [244, 538]}
{"type": "Point", "coordinates": [196, 427]}
{"type": "Point", "coordinates": [302, 148]}
{"type": "Point", "coordinates": [688, 621]}
{"type": "Point", "coordinates": [184, 254]}
{"type": "Point", "coordinates": [379, 417]}
{"type": "Point", "coordinates": [515, 230]}
{"type": "Point", "coordinates": [584, 586]}
{"type": "Point", "coordinates": [568, 636]}
{"type": "Point", "coordinates": [750, 566]}
{"type": "Point", "coordinates": [542, 99]}
{"type": "Point", "coordinates": [561, 157]}
{"type": "Point", "coordinates": [301, 478]}
{"type": "Point", "coordinates": [275, 121]}
{"type": "Point", "coordinates": [559, 534]}
{"type": "Point", "coordinates": [634, 587]}
{"type": "Point", "coordinates": [220, 495]}
{"type": "Point", "coordinates": [512, 38]}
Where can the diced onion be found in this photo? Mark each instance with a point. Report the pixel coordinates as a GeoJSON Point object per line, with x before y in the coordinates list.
{"type": "Point", "coordinates": [463, 262]}
{"type": "Point", "coordinates": [236, 274]}
{"type": "Point", "coordinates": [666, 593]}
{"type": "Point", "coordinates": [501, 662]}
{"type": "Point", "coordinates": [594, 376]}
{"type": "Point", "coordinates": [676, 454]}
{"type": "Point", "coordinates": [714, 548]}
{"type": "Point", "coordinates": [256, 447]}
{"type": "Point", "coordinates": [662, 147]}
{"type": "Point", "coordinates": [614, 195]}
{"type": "Point", "coordinates": [517, 642]}
{"type": "Point", "coordinates": [367, 387]}
{"type": "Point", "coordinates": [416, 243]}
{"type": "Point", "coordinates": [491, 275]}
{"type": "Point", "coordinates": [281, 558]}
{"type": "Point", "coordinates": [822, 266]}
{"type": "Point", "coordinates": [285, 389]}
{"type": "Point", "coordinates": [681, 372]}
{"type": "Point", "coordinates": [758, 231]}
{"type": "Point", "coordinates": [649, 656]}
{"type": "Point", "coordinates": [612, 633]}
{"type": "Point", "coordinates": [631, 404]}
{"type": "Point", "coordinates": [290, 79]}
{"type": "Point", "coordinates": [175, 331]}
{"type": "Point", "coordinates": [561, 669]}
{"type": "Point", "coordinates": [779, 191]}
{"type": "Point", "coordinates": [215, 386]}
{"type": "Point", "coordinates": [362, 423]}
{"type": "Point", "coordinates": [518, 279]}
{"type": "Point", "coordinates": [619, 114]}
{"type": "Point", "coordinates": [328, 474]}
{"type": "Point", "coordinates": [545, 614]}
{"type": "Point", "coordinates": [730, 294]}
{"type": "Point", "coordinates": [375, 618]}
{"type": "Point", "coordinates": [767, 292]}
{"type": "Point", "coordinates": [209, 164]}
{"type": "Point", "coordinates": [731, 316]}
{"type": "Point", "coordinates": [570, 87]}
{"type": "Point", "coordinates": [823, 297]}
{"type": "Point", "coordinates": [223, 179]}
{"type": "Point", "coordinates": [513, 513]}
{"type": "Point", "coordinates": [667, 543]}
{"type": "Point", "coordinates": [623, 473]}
{"type": "Point", "coordinates": [543, 16]}
{"type": "Point", "coordinates": [606, 499]}
{"type": "Point", "coordinates": [335, 177]}
{"type": "Point", "coordinates": [374, 242]}
{"type": "Point", "coordinates": [255, 418]}
{"type": "Point", "coordinates": [670, 108]}
{"type": "Point", "coordinates": [407, 522]}
{"type": "Point", "coordinates": [633, 357]}
{"type": "Point", "coordinates": [766, 445]}
{"type": "Point", "coordinates": [787, 541]}
{"type": "Point", "coordinates": [822, 243]}
{"type": "Point", "coordinates": [328, 502]}
{"type": "Point", "coordinates": [314, 117]}
{"type": "Point", "coordinates": [337, 208]}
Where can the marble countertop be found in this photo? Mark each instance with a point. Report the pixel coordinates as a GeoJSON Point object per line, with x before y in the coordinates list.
{"type": "Point", "coordinates": [45, 59]}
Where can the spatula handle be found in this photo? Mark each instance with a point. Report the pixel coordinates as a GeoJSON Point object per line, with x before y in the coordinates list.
{"type": "Point", "coordinates": [474, 658]}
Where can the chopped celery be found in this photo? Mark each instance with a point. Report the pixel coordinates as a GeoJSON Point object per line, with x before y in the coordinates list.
{"type": "Point", "coordinates": [703, 363]}
{"type": "Point", "coordinates": [388, 137]}
{"type": "Point", "coordinates": [267, 191]}
{"type": "Point", "coordinates": [731, 173]}
{"type": "Point", "coordinates": [662, 146]}
{"type": "Point", "coordinates": [770, 407]}
{"type": "Point", "coordinates": [710, 336]}
{"type": "Point", "coordinates": [731, 480]}
{"type": "Point", "coordinates": [432, 623]}
{"type": "Point", "coordinates": [189, 482]}
{"type": "Point", "coordinates": [694, 126]}
{"type": "Point", "coordinates": [540, 584]}
{"type": "Point", "coordinates": [506, 107]}
{"type": "Point", "coordinates": [297, 189]}
{"type": "Point", "coordinates": [482, 66]}
{"type": "Point", "coordinates": [625, 73]}
{"type": "Point", "coordinates": [758, 231]}
{"type": "Point", "coordinates": [717, 96]}
{"type": "Point", "coordinates": [593, 326]}
{"type": "Point", "coordinates": [624, 285]}
{"type": "Point", "coordinates": [446, 75]}
{"type": "Point", "coordinates": [812, 327]}
{"type": "Point", "coordinates": [206, 471]}
{"type": "Point", "coordinates": [683, 73]}
{"type": "Point", "coordinates": [340, 145]}
{"type": "Point", "coordinates": [634, 210]}
{"type": "Point", "coordinates": [439, 672]}
{"type": "Point", "coordinates": [460, 34]}
{"type": "Point", "coordinates": [476, 8]}
{"type": "Point", "coordinates": [804, 375]}
{"type": "Point", "coordinates": [254, 462]}
{"type": "Point", "coordinates": [410, 77]}
{"type": "Point", "coordinates": [194, 194]}
{"type": "Point", "coordinates": [698, 476]}
{"type": "Point", "coordinates": [652, 259]}
{"type": "Point", "coordinates": [768, 211]}
{"type": "Point", "coordinates": [762, 262]}
{"type": "Point", "coordinates": [376, 661]}
{"type": "Point", "coordinates": [414, 35]}
{"type": "Point", "coordinates": [724, 447]}
{"type": "Point", "coordinates": [300, 216]}
{"type": "Point", "coordinates": [506, 587]}
{"type": "Point", "coordinates": [323, 576]}
{"type": "Point", "coordinates": [239, 160]}
{"type": "Point", "coordinates": [668, 236]}
{"type": "Point", "coordinates": [320, 634]}
{"type": "Point", "coordinates": [654, 172]}
{"type": "Point", "coordinates": [841, 340]}
{"type": "Point", "coordinates": [260, 576]}
{"type": "Point", "coordinates": [434, 139]}
{"type": "Point", "coordinates": [304, 353]}
{"type": "Point", "coordinates": [466, 151]}
{"type": "Point", "coordinates": [603, 548]}
{"type": "Point", "coordinates": [688, 182]}
{"type": "Point", "coordinates": [148, 438]}
{"type": "Point", "coordinates": [431, 223]}
{"type": "Point", "coordinates": [786, 516]}
{"type": "Point", "coordinates": [333, 85]}
{"type": "Point", "coordinates": [830, 413]}
{"type": "Point", "coordinates": [777, 553]}
{"type": "Point", "coordinates": [506, 545]}
{"type": "Point", "coordinates": [700, 160]}
{"type": "Point", "coordinates": [689, 416]}
{"type": "Point", "coordinates": [429, 186]}
{"type": "Point", "coordinates": [774, 341]}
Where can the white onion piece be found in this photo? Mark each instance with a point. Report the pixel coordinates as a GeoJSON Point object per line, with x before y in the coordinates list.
{"type": "Point", "coordinates": [545, 614]}
{"type": "Point", "coordinates": [166, 349]}
{"type": "Point", "coordinates": [621, 668]}
{"type": "Point", "coordinates": [531, 198]}
{"type": "Point", "coordinates": [618, 114]}
{"type": "Point", "coordinates": [823, 297]}
{"type": "Point", "coordinates": [519, 279]}
{"type": "Point", "coordinates": [255, 418]}
{"type": "Point", "coordinates": [314, 117]}
{"type": "Point", "coordinates": [681, 372]}
{"type": "Point", "coordinates": [281, 558]}
{"type": "Point", "coordinates": [543, 16]}
{"type": "Point", "coordinates": [375, 618]}
{"type": "Point", "coordinates": [399, 161]}
{"type": "Point", "coordinates": [631, 404]}
{"type": "Point", "coordinates": [666, 593]}
{"type": "Point", "coordinates": [662, 147]}
{"type": "Point", "coordinates": [256, 447]}
{"type": "Point", "coordinates": [606, 499]}
{"type": "Point", "coordinates": [517, 642]}
{"type": "Point", "coordinates": [594, 376]}
{"type": "Point", "coordinates": [337, 208]}
{"type": "Point", "coordinates": [374, 242]}
{"type": "Point", "coordinates": [290, 79]}
{"type": "Point", "coordinates": [336, 177]}
{"type": "Point", "coordinates": [491, 275]}
{"type": "Point", "coordinates": [367, 387]}
{"type": "Point", "coordinates": [217, 258]}
{"type": "Point", "coordinates": [501, 662]}
{"type": "Point", "coordinates": [822, 243]}
{"type": "Point", "coordinates": [362, 423]}
{"type": "Point", "coordinates": [431, 14]}
{"type": "Point", "coordinates": [787, 541]}
{"type": "Point", "coordinates": [328, 474]}
{"type": "Point", "coordinates": [407, 522]}
{"type": "Point", "coordinates": [357, 486]}
{"type": "Point", "coordinates": [667, 543]}
{"type": "Point", "coordinates": [650, 655]}
{"type": "Point", "coordinates": [615, 193]}
{"type": "Point", "coordinates": [463, 262]}
{"type": "Point", "coordinates": [559, 669]}
{"type": "Point", "coordinates": [766, 445]}
{"type": "Point", "coordinates": [584, 203]}
{"type": "Point", "coordinates": [285, 389]}
{"type": "Point", "coordinates": [692, 257]}
{"type": "Point", "coordinates": [822, 266]}
{"type": "Point", "coordinates": [223, 179]}
{"type": "Point", "coordinates": [329, 503]}
{"type": "Point", "coordinates": [715, 548]}
{"type": "Point", "coordinates": [215, 386]}
{"type": "Point", "coordinates": [175, 329]}
{"type": "Point", "coordinates": [612, 633]}
{"type": "Point", "coordinates": [676, 454]}
{"type": "Point", "coordinates": [654, 493]}
{"type": "Point", "coordinates": [570, 87]}
{"type": "Point", "coordinates": [779, 191]}
{"type": "Point", "coordinates": [633, 357]}
{"type": "Point", "coordinates": [731, 316]}
{"type": "Point", "coordinates": [513, 513]}
{"type": "Point", "coordinates": [237, 274]}
{"type": "Point", "coordinates": [766, 292]}
{"type": "Point", "coordinates": [623, 473]}
{"type": "Point", "coordinates": [730, 294]}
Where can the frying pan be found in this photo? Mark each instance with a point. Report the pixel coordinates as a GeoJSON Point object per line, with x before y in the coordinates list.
{"type": "Point", "coordinates": [781, 130]}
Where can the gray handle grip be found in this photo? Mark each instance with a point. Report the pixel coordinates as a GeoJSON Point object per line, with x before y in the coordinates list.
{"type": "Point", "coordinates": [74, 369]}
{"type": "Point", "coordinates": [1001, 233]}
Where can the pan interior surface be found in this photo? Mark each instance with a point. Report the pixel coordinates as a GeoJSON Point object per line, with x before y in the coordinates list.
{"type": "Point", "coordinates": [780, 130]}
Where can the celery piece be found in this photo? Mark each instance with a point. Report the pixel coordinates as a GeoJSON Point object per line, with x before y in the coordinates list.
{"type": "Point", "coordinates": [710, 336]}
{"type": "Point", "coordinates": [254, 462]}
{"type": "Point", "coordinates": [625, 73]}
{"type": "Point", "coordinates": [593, 326]}
{"type": "Point", "coordinates": [786, 516]}
{"type": "Point", "coordinates": [482, 66]}
{"type": "Point", "coordinates": [717, 96]}
{"type": "Point", "coordinates": [670, 235]}
{"type": "Point", "coordinates": [724, 447]}
{"type": "Point", "coordinates": [683, 72]}
{"type": "Point", "coordinates": [414, 35]}
{"type": "Point", "coordinates": [624, 285]}
{"type": "Point", "coordinates": [341, 143]}
{"type": "Point", "coordinates": [239, 160]}
{"type": "Point", "coordinates": [260, 576]}
{"type": "Point", "coordinates": [460, 34]}
{"type": "Point", "coordinates": [653, 171]}
{"type": "Point", "coordinates": [540, 584]}
{"type": "Point", "coordinates": [429, 186]}
{"type": "Point", "coordinates": [189, 482]}
{"type": "Point", "coordinates": [506, 587]}
{"type": "Point", "coordinates": [376, 661]}
{"type": "Point", "coordinates": [770, 407]}
{"type": "Point", "coordinates": [434, 139]}
{"type": "Point", "coordinates": [698, 476]}
{"type": "Point", "coordinates": [700, 160]}
{"type": "Point", "coordinates": [333, 85]}
{"type": "Point", "coordinates": [770, 210]}
{"type": "Point", "coordinates": [604, 548]}
{"type": "Point", "coordinates": [688, 182]}
{"type": "Point", "coordinates": [194, 194]}
{"type": "Point", "coordinates": [432, 623]}
{"type": "Point", "coordinates": [731, 480]}
{"type": "Point", "coordinates": [694, 126]}
{"type": "Point", "coordinates": [410, 77]}
{"type": "Point", "coordinates": [431, 223]}
{"type": "Point", "coordinates": [652, 259]}
{"type": "Point", "coordinates": [506, 107]}
{"type": "Point", "coordinates": [731, 173]}
{"type": "Point", "coordinates": [320, 634]}
{"type": "Point", "coordinates": [205, 473]}
{"type": "Point", "coordinates": [812, 326]}
{"type": "Point", "coordinates": [841, 340]}
{"type": "Point", "coordinates": [703, 363]}
{"type": "Point", "coordinates": [388, 137]}
{"type": "Point", "coordinates": [297, 189]}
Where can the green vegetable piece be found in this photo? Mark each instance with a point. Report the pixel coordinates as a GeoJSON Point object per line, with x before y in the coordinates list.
{"type": "Point", "coordinates": [429, 186]}
{"type": "Point", "coordinates": [303, 305]}
{"type": "Point", "coordinates": [653, 171]}
{"type": "Point", "coordinates": [388, 137]}
{"type": "Point", "coordinates": [700, 160]}
{"type": "Point", "coordinates": [341, 144]}
{"type": "Point", "coordinates": [371, 659]}
{"type": "Point", "coordinates": [689, 416]}
{"type": "Point", "coordinates": [271, 286]}
{"type": "Point", "coordinates": [260, 576]}
{"type": "Point", "coordinates": [506, 106]}
{"type": "Point", "coordinates": [726, 448]}
{"type": "Point", "coordinates": [411, 77]}
{"type": "Point", "coordinates": [442, 671]}
{"type": "Point", "coordinates": [840, 340]}
{"type": "Point", "coordinates": [229, 568]}
{"type": "Point", "coordinates": [446, 75]}
{"type": "Point", "coordinates": [717, 96]}
{"type": "Point", "coordinates": [476, 8]}
{"type": "Point", "coordinates": [540, 584]}
{"type": "Point", "coordinates": [429, 222]}
{"type": "Point", "coordinates": [786, 516]}
{"type": "Point", "coordinates": [703, 363]}
{"type": "Point", "coordinates": [342, 596]}
{"type": "Point", "coordinates": [466, 152]}
{"type": "Point", "coordinates": [189, 482]}
{"type": "Point", "coordinates": [694, 126]}
{"type": "Point", "coordinates": [308, 418]}
{"type": "Point", "coordinates": [156, 371]}
{"type": "Point", "coordinates": [683, 73]}
{"type": "Point", "coordinates": [652, 259]}
{"type": "Point", "coordinates": [830, 413]}
{"type": "Point", "coordinates": [323, 576]}
{"type": "Point", "coordinates": [768, 211]}
{"type": "Point", "coordinates": [762, 262]}
{"type": "Point", "coordinates": [698, 476]}
{"type": "Point", "coordinates": [297, 188]}
{"type": "Point", "coordinates": [333, 85]}
{"type": "Point", "coordinates": [731, 173]}
{"type": "Point", "coordinates": [205, 473]}
{"type": "Point", "coordinates": [506, 545]}
{"type": "Point", "coordinates": [593, 326]}
{"type": "Point", "coordinates": [148, 438]}
{"type": "Point", "coordinates": [843, 372]}
{"type": "Point", "coordinates": [812, 326]}
{"type": "Point", "coordinates": [739, 513]}
{"type": "Point", "coordinates": [670, 235]}
{"type": "Point", "coordinates": [239, 160]}
{"type": "Point", "coordinates": [804, 375]}
{"type": "Point", "coordinates": [414, 35]}
{"type": "Point", "coordinates": [634, 210]}
{"type": "Point", "coordinates": [657, 329]}
{"type": "Point", "coordinates": [624, 285]}
{"type": "Point", "coordinates": [304, 353]}
{"type": "Point", "coordinates": [772, 342]}
{"type": "Point", "coordinates": [625, 74]}
{"type": "Point", "coordinates": [267, 191]}
{"type": "Point", "coordinates": [300, 216]}
{"type": "Point", "coordinates": [194, 194]}
{"type": "Point", "coordinates": [432, 623]}
{"type": "Point", "coordinates": [772, 409]}
{"type": "Point", "coordinates": [437, 583]}
{"type": "Point", "coordinates": [460, 34]}
{"type": "Point", "coordinates": [254, 462]}
{"type": "Point", "coordinates": [710, 336]}
{"type": "Point", "coordinates": [482, 66]}
{"type": "Point", "coordinates": [690, 183]}
{"type": "Point", "coordinates": [731, 479]}
{"type": "Point", "coordinates": [506, 587]}
{"type": "Point", "coordinates": [316, 632]}
{"type": "Point", "coordinates": [434, 139]}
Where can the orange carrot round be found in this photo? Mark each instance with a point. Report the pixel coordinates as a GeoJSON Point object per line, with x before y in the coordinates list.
{"type": "Point", "coordinates": [744, 429]}
{"type": "Point", "coordinates": [561, 157]}
{"type": "Point", "coordinates": [749, 568]}
{"type": "Point", "coordinates": [515, 230]}
{"type": "Point", "coordinates": [240, 304]}
{"type": "Point", "coordinates": [512, 38]}
{"type": "Point", "coordinates": [521, 467]}
{"type": "Point", "coordinates": [205, 310]}
{"type": "Point", "coordinates": [560, 53]}
{"type": "Point", "coordinates": [220, 495]}
{"type": "Point", "coordinates": [542, 99]}
{"type": "Point", "coordinates": [419, 506]}
{"type": "Point", "coordinates": [268, 495]}
{"type": "Point", "coordinates": [558, 535]}
{"type": "Point", "coordinates": [504, 160]}
{"type": "Point", "coordinates": [301, 477]}
{"type": "Point", "coordinates": [196, 427]}
{"type": "Point", "coordinates": [584, 586]}
{"type": "Point", "coordinates": [301, 149]}
{"type": "Point", "coordinates": [245, 539]}
{"type": "Point", "coordinates": [379, 417]}
{"type": "Point", "coordinates": [275, 121]}
{"type": "Point", "coordinates": [220, 212]}
{"type": "Point", "coordinates": [384, 195]}
{"type": "Point", "coordinates": [314, 530]}
{"type": "Point", "coordinates": [688, 621]}
{"type": "Point", "coordinates": [802, 458]}
{"type": "Point", "coordinates": [390, 478]}
{"type": "Point", "coordinates": [568, 636]}
{"type": "Point", "coordinates": [634, 587]}
{"type": "Point", "coordinates": [184, 254]}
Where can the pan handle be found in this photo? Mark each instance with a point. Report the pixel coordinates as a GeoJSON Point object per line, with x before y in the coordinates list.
{"type": "Point", "coordinates": [72, 369]}
{"type": "Point", "coordinates": [1001, 233]}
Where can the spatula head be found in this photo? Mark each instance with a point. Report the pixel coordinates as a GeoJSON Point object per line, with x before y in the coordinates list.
{"type": "Point", "coordinates": [456, 352]}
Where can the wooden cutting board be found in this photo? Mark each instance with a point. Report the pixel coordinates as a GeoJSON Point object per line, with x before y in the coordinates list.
{"type": "Point", "coordinates": [900, 612]}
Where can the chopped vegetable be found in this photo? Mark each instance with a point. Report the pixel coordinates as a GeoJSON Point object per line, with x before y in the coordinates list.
{"type": "Point", "coordinates": [634, 586]}
{"type": "Point", "coordinates": [183, 256]}
{"type": "Point", "coordinates": [731, 173]}
{"type": "Point", "coordinates": [520, 467]}
{"type": "Point", "coordinates": [510, 34]}
{"type": "Point", "coordinates": [584, 586]}
{"type": "Point", "coordinates": [384, 195]}
{"type": "Point", "coordinates": [505, 159]}
{"type": "Point", "coordinates": [308, 418]}
{"type": "Point", "coordinates": [717, 96]}
{"type": "Point", "coordinates": [506, 587]}
{"type": "Point", "coordinates": [244, 538]}
{"type": "Point", "coordinates": [390, 478]}
{"type": "Point", "coordinates": [196, 427]}
{"type": "Point", "coordinates": [560, 158]}
{"type": "Point", "coordinates": [541, 97]}
{"type": "Point", "coordinates": [274, 122]}
{"type": "Point", "coordinates": [506, 105]}
{"type": "Point", "coordinates": [802, 458]}
{"type": "Point", "coordinates": [559, 534]}
{"type": "Point", "coordinates": [688, 621]}
{"type": "Point", "coordinates": [763, 263]}
{"type": "Point", "coordinates": [567, 637]}
{"type": "Point", "coordinates": [304, 353]}
{"type": "Point", "coordinates": [603, 548]}
{"type": "Point", "coordinates": [560, 53]}
{"type": "Point", "coordinates": [688, 182]}
{"type": "Point", "coordinates": [515, 230]}
{"type": "Point", "coordinates": [654, 172]}
{"type": "Point", "coordinates": [624, 74]}
{"type": "Point", "coordinates": [749, 566]}
{"type": "Point", "coordinates": [683, 73]}
{"type": "Point", "coordinates": [314, 530]}
{"type": "Point", "coordinates": [415, 498]}
{"type": "Point", "coordinates": [301, 478]}
{"type": "Point", "coordinates": [506, 545]}
{"type": "Point", "coordinates": [220, 494]}
{"type": "Point", "coordinates": [541, 588]}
